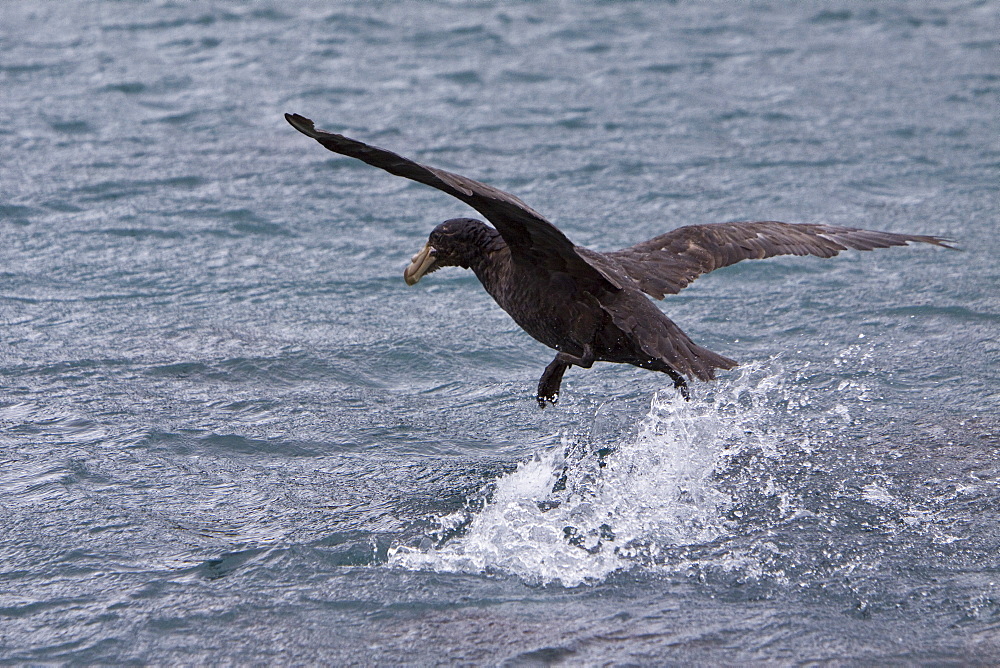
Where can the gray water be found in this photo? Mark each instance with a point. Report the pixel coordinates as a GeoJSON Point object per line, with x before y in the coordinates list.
{"type": "Point", "coordinates": [230, 433]}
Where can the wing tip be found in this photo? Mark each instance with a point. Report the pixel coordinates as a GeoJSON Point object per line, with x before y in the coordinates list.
{"type": "Point", "coordinates": [943, 242]}
{"type": "Point", "coordinates": [302, 124]}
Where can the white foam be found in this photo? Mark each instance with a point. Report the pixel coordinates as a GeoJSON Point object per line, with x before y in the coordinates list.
{"type": "Point", "coordinates": [563, 517]}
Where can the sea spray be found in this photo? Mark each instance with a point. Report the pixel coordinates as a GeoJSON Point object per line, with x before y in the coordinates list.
{"type": "Point", "coordinates": [611, 500]}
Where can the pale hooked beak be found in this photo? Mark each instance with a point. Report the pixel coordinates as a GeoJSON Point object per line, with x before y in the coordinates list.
{"type": "Point", "coordinates": [420, 264]}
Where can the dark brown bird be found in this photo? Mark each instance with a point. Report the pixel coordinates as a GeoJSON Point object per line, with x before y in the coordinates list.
{"type": "Point", "coordinates": [590, 306]}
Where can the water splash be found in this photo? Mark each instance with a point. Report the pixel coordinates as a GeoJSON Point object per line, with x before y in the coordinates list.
{"type": "Point", "coordinates": [611, 500]}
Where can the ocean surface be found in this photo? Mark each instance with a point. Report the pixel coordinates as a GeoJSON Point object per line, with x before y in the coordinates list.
{"type": "Point", "coordinates": [231, 434]}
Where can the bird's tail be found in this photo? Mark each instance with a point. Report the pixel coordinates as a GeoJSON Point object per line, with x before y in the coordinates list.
{"type": "Point", "coordinates": [659, 343]}
{"type": "Point", "coordinates": [673, 348]}
{"type": "Point", "coordinates": [705, 362]}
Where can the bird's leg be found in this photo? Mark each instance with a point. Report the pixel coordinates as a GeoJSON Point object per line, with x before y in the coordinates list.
{"type": "Point", "coordinates": [585, 361]}
{"type": "Point", "coordinates": [548, 385]}
{"type": "Point", "coordinates": [680, 384]}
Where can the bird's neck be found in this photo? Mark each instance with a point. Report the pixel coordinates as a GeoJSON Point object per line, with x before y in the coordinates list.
{"type": "Point", "coordinates": [492, 265]}
{"type": "Point", "coordinates": [489, 246]}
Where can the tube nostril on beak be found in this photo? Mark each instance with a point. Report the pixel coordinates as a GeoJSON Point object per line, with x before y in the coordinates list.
{"type": "Point", "coordinates": [419, 265]}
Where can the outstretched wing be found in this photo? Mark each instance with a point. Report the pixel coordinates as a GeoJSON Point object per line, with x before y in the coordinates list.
{"type": "Point", "coordinates": [668, 263]}
{"type": "Point", "coordinates": [524, 230]}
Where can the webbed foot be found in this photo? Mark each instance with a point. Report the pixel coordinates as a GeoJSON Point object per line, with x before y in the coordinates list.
{"type": "Point", "coordinates": [548, 385]}
{"type": "Point", "coordinates": [680, 384]}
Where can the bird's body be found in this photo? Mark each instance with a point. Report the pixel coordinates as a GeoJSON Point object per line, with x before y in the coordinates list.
{"type": "Point", "coordinates": [590, 306]}
{"type": "Point", "coordinates": [571, 315]}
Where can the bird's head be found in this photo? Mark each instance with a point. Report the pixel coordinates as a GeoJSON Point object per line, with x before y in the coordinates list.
{"type": "Point", "coordinates": [459, 242]}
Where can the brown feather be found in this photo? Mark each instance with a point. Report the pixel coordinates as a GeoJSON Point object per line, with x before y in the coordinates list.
{"type": "Point", "coordinates": [587, 305]}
